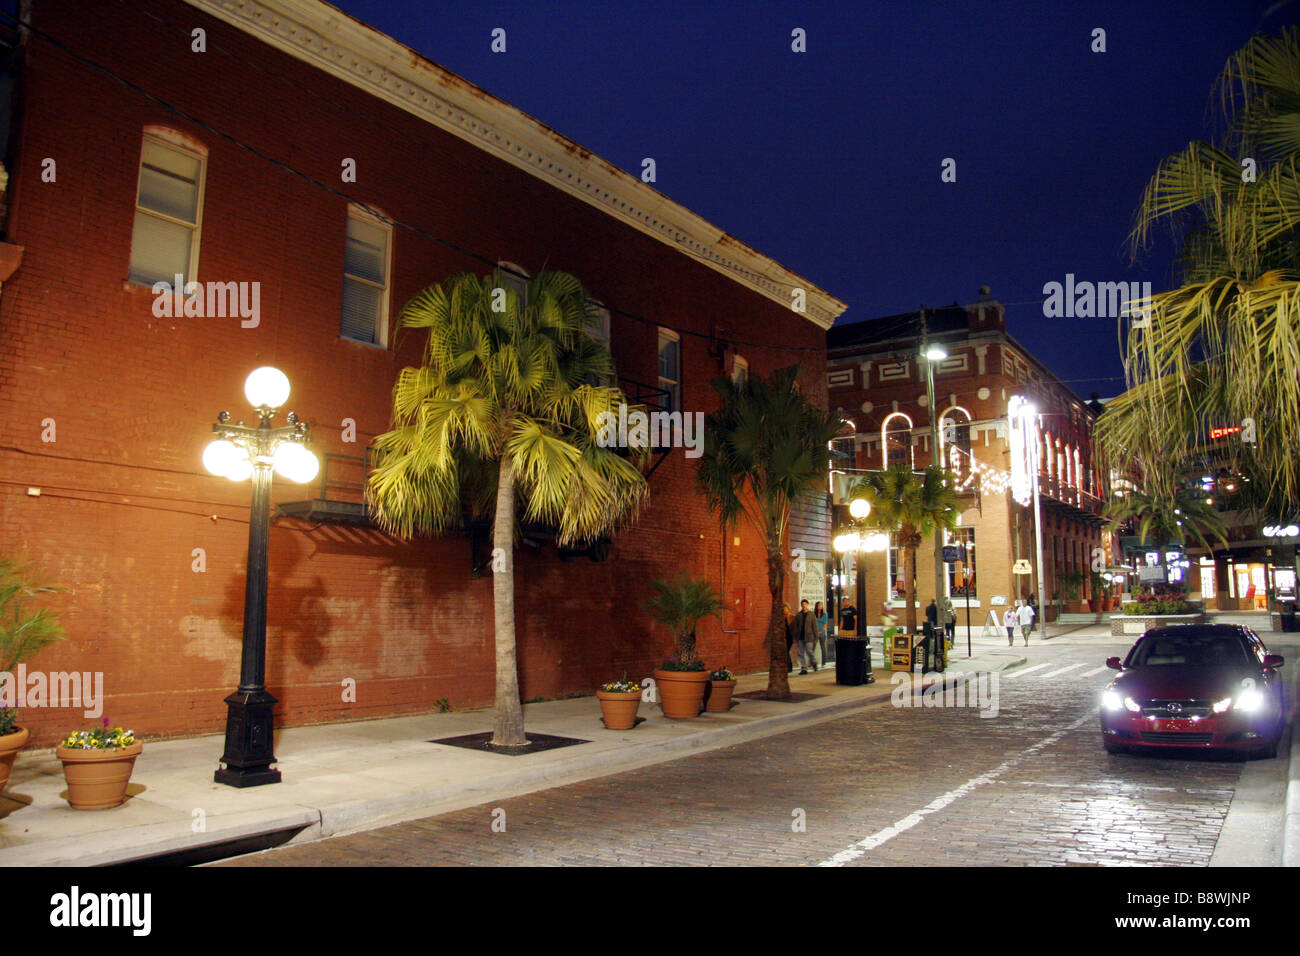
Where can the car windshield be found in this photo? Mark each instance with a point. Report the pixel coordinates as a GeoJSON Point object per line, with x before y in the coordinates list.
{"type": "Point", "coordinates": [1191, 650]}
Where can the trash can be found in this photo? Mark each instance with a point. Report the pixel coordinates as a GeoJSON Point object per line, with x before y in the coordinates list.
{"type": "Point", "coordinates": [1288, 617]}
{"type": "Point", "coordinates": [851, 657]}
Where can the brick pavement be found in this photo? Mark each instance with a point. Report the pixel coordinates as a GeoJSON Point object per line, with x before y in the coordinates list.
{"type": "Point", "coordinates": [1068, 803]}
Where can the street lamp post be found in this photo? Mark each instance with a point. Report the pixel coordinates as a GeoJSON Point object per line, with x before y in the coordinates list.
{"type": "Point", "coordinates": [241, 452]}
{"type": "Point", "coordinates": [932, 354]}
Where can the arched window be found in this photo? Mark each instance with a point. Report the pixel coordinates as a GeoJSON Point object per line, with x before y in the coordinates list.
{"type": "Point", "coordinates": [896, 439]}
{"type": "Point", "coordinates": [843, 446]}
{"type": "Point", "coordinates": [954, 426]}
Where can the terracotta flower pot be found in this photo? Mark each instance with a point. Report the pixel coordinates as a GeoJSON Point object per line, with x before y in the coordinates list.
{"type": "Point", "coordinates": [718, 700]}
{"type": "Point", "coordinates": [681, 693]}
{"type": "Point", "coordinates": [619, 709]}
{"type": "Point", "coordinates": [97, 779]}
{"type": "Point", "coordinates": [10, 744]}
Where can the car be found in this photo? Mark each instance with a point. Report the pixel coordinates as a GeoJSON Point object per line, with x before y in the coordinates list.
{"type": "Point", "coordinates": [1212, 687]}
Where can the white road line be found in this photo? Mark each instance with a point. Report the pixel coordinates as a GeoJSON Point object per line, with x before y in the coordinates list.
{"type": "Point", "coordinates": [1063, 670]}
{"type": "Point", "coordinates": [1095, 670]}
{"type": "Point", "coordinates": [934, 806]}
{"type": "Point", "coordinates": [1021, 671]}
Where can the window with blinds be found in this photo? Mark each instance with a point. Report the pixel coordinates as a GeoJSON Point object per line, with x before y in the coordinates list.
{"type": "Point", "coordinates": [365, 279]}
{"type": "Point", "coordinates": [168, 208]}
{"type": "Point", "coordinates": [670, 368]}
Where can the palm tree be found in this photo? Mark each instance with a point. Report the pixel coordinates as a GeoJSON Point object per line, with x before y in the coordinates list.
{"type": "Point", "coordinates": [502, 399]}
{"type": "Point", "coordinates": [1224, 346]}
{"type": "Point", "coordinates": [910, 506]}
{"type": "Point", "coordinates": [680, 605]}
{"type": "Point", "coordinates": [1162, 519]}
{"type": "Point", "coordinates": [23, 632]}
{"type": "Point", "coordinates": [766, 447]}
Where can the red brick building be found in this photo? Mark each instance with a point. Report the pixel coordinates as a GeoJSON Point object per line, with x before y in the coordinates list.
{"type": "Point", "coordinates": [132, 157]}
{"type": "Point", "coordinates": [878, 386]}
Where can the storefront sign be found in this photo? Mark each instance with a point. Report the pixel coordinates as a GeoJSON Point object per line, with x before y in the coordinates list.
{"type": "Point", "coordinates": [1281, 531]}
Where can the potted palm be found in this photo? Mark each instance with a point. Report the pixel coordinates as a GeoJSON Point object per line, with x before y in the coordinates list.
{"type": "Point", "coordinates": [97, 765]}
{"type": "Point", "coordinates": [619, 700]}
{"type": "Point", "coordinates": [23, 633]}
{"type": "Point", "coordinates": [680, 605]}
{"type": "Point", "coordinates": [722, 683]}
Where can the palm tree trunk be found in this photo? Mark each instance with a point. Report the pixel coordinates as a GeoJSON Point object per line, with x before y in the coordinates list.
{"type": "Point", "coordinates": [508, 722]}
{"type": "Point", "coordinates": [778, 684]}
{"type": "Point", "coordinates": [909, 588]}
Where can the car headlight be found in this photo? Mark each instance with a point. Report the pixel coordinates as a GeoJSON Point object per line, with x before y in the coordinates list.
{"type": "Point", "coordinates": [1131, 705]}
{"type": "Point", "coordinates": [1110, 700]}
{"type": "Point", "coordinates": [1221, 705]}
{"type": "Point", "coordinates": [1250, 701]}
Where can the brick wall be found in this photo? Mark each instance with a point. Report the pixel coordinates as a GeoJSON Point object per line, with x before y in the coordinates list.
{"type": "Point", "coordinates": [124, 499]}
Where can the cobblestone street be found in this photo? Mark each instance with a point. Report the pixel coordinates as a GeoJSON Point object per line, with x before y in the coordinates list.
{"type": "Point", "coordinates": [884, 786]}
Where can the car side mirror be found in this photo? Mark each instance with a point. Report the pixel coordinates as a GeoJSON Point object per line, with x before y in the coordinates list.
{"type": "Point", "coordinates": [1113, 663]}
{"type": "Point", "coordinates": [1274, 660]}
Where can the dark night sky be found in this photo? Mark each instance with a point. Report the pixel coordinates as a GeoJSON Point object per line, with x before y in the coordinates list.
{"type": "Point", "coordinates": [829, 161]}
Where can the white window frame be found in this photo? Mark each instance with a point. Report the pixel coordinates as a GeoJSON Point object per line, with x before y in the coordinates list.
{"type": "Point", "coordinates": [521, 274]}
{"type": "Point", "coordinates": [174, 140]}
{"type": "Point", "coordinates": [884, 438]}
{"type": "Point", "coordinates": [381, 331]}
{"type": "Point", "coordinates": [739, 366]}
{"type": "Point", "coordinates": [675, 392]}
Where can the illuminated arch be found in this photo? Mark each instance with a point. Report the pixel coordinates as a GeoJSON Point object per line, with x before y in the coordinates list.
{"type": "Point", "coordinates": [884, 438]}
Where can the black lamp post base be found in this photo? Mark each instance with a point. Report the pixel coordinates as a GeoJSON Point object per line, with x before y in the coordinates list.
{"type": "Point", "coordinates": [249, 746]}
{"type": "Point", "coordinates": [246, 776]}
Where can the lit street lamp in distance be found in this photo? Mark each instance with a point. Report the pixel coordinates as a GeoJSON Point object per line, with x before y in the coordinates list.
{"type": "Point", "coordinates": [241, 452]}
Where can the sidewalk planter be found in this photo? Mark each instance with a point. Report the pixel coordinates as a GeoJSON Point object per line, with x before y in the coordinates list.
{"type": "Point", "coordinates": [618, 708]}
{"type": "Point", "coordinates": [681, 693]}
{"type": "Point", "coordinates": [10, 744]}
{"type": "Point", "coordinates": [718, 699]}
{"type": "Point", "coordinates": [97, 765]}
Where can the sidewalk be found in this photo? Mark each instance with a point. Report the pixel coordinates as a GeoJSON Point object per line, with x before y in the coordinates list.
{"type": "Point", "coordinates": [340, 778]}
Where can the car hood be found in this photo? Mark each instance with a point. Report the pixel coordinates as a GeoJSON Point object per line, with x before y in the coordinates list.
{"type": "Point", "coordinates": [1179, 682]}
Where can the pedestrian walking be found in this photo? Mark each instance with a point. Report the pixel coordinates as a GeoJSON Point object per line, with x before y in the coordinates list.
{"type": "Point", "coordinates": [1009, 621]}
{"type": "Point", "coordinates": [947, 617]}
{"type": "Point", "coordinates": [932, 613]}
{"type": "Point", "coordinates": [1026, 617]}
{"type": "Point", "coordinates": [805, 636]}
{"type": "Point", "coordinates": [819, 615]}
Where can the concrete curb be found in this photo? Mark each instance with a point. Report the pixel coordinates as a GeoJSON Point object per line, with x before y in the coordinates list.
{"type": "Point", "coordinates": [1291, 808]}
{"type": "Point", "coordinates": [314, 821]}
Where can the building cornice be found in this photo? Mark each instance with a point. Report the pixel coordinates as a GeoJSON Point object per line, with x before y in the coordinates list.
{"type": "Point", "coordinates": [328, 39]}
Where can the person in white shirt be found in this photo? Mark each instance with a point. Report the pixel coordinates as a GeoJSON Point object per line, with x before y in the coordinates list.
{"type": "Point", "coordinates": [1026, 618]}
{"type": "Point", "coordinates": [1009, 621]}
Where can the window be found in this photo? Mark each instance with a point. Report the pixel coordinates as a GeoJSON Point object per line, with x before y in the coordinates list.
{"type": "Point", "coordinates": [961, 574]}
{"type": "Point", "coordinates": [515, 278]}
{"type": "Point", "coordinates": [365, 279]}
{"type": "Point", "coordinates": [597, 326]}
{"type": "Point", "coordinates": [168, 209]}
{"type": "Point", "coordinates": [897, 586]}
{"type": "Point", "coordinates": [670, 368]}
{"type": "Point", "coordinates": [739, 370]}
{"type": "Point", "coordinates": [896, 440]}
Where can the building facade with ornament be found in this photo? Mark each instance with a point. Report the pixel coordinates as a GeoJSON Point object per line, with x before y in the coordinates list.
{"type": "Point", "coordinates": [876, 382]}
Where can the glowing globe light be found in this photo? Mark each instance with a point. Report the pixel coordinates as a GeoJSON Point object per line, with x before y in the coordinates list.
{"type": "Point", "coordinates": [845, 543]}
{"type": "Point", "coordinates": [295, 462]}
{"type": "Point", "coordinates": [240, 470]}
{"type": "Point", "coordinates": [859, 507]}
{"type": "Point", "coordinates": [220, 456]}
{"type": "Point", "coordinates": [266, 387]}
